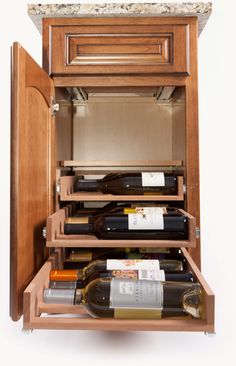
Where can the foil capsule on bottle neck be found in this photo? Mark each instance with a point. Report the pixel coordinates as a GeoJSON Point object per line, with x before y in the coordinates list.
{"type": "Point", "coordinates": [63, 285]}
{"type": "Point", "coordinates": [59, 296]}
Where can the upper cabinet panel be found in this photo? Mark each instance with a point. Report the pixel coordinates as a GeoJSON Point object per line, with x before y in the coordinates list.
{"type": "Point", "coordinates": [117, 46]}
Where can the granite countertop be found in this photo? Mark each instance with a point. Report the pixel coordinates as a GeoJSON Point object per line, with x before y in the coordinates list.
{"type": "Point", "coordinates": [200, 9]}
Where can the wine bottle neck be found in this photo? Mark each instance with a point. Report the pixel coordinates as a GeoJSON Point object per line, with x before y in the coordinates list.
{"type": "Point", "coordinates": [80, 274]}
{"type": "Point", "coordinates": [87, 185]}
{"type": "Point", "coordinates": [85, 228]}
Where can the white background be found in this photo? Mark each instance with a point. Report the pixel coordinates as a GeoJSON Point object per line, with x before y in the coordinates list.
{"type": "Point", "coordinates": [217, 85]}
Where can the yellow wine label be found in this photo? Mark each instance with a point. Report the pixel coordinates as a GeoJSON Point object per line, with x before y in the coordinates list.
{"type": "Point", "coordinates": [81, 256]}
{"type": "Point", "coordinates": [77, 220]}
{"type": "Point", "coordinates": [137, 313]}
{"type": "Point", "coordinates": [129, 210]}
{"type": "Point", "coordinates": [145, 210]}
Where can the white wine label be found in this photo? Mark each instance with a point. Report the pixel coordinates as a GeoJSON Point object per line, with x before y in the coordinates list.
{"type": "Point", "coordinates": [150, 210]}
{"type": "Point", "coordinates": [151, 275]}
{"type": "Point", "coordinates": [147, 221]}
{"type": "Point", "coordinates": [126, 288]}
{"type": "Point", "coordinates": [153, 179]}
{"type": "Point", "coordinates": [132, 294]}
{"type": "Point", "coordinates": [132, 264]}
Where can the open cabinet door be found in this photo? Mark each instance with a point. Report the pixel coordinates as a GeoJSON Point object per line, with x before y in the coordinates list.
{"type": "Point", "coordinates": [32, 171]}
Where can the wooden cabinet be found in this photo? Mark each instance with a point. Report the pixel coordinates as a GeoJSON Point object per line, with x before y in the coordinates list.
{"type": "Point", "coordinates": [117, 46]}
{"type": "Point", "coordinates": [126, 90]}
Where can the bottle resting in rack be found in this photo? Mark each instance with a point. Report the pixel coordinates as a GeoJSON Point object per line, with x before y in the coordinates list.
{"type": "Point", "coordinates": [77, 258]}
{"type": "Point", "coordinates": [126, 298]}
{"type": "Point", "coordinates": [89, 255]}
{"type": "Point", "coordinates": [180, 276]}
{"type": "Point", "coordinates": [118, 207]}
{"type": "Point", "coordinates": [130, 183]}
{"type": "Point", "coordinates": [135, 268]}
{"type": "Point", "coordinates": [139, 223]}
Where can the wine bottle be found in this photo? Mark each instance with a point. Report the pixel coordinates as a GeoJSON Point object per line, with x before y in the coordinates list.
{"type": "Point", "coordinates": [147, 268]}
{"type": "Point", "coordinates": [126, 298]}
{"type": "Point", "coordinates": [180, 276]}
{"type": "Point", "coordinates": [83, 255]}
{"type": "Point", "coordinates": [131, 183]}
{"type": "Point", "coordinates": [118, 207]}
{"type": "Point", "coordinates": [80, 212]}
{"type": "Point", "coordinates": [148, 223]}
{"type": "Point", "coordinates": [80, 258]}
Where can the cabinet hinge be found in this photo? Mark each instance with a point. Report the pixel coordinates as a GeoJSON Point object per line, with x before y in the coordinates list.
{"type": "Point", "coordinates": [58, 186]}
{"type": "Point", "coordinates": [54, 107]}
{"type": "Point", "coordinates": [184, 188]}
{"type": "Point", "coordinates": [44, 232]}
{"type": "Point", "coordinates": [198, 232]}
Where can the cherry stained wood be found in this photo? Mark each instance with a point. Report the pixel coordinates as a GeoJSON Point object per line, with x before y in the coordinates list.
{"type": "Point", "coordinates": [34, 306]}
{"type": "Point", "coordinates": [128, 46]}
{"type": "Point", "coordinates": [57, 239]}
{"type": "Point", "coordinates": [118, 81]}
{"type": "Point", "coordinates": [67, 193]}
{"type": "Point", "coordinates": [125, 163]}
{"type": "Point", "coordinates": [210, 303]}
{"type": "Point", "coordinates": [32, 171]}
{"type": "Point", "coordinates": [192, 139]}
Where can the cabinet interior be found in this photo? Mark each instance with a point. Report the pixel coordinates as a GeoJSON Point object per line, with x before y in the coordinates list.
{"type": "Point", "coordinates": [143, 126]}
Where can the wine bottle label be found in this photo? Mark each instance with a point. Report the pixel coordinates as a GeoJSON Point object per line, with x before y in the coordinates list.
{"type": "Point", "coordinates": [132, 264]}
{"type": "Point", "coordinates": [145, 210]}
{"type": "Point", "coordinates": [77, 220]}
{"type": "Point", "coordinates": [151, 275]}
{"type": "Point", "coordinates": [141, 274]}
{"type": "Point", "coordinates": [138, 313]}
{"type": "Point", "coordinates": [153, 179]}
{"type": "Point", "coordinates": [148, 221]}
{"type": "Point", "coordinates": [140, 294]}
{"type": "Point", "coordinates": [81, 256]}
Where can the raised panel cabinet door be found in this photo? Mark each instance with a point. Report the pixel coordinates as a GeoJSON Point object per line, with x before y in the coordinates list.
{"type": "Point", "coordinates": [32, 156]}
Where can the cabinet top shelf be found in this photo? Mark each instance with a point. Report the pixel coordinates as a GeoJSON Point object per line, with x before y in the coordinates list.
{"type": "Point", "coordinates": [127, 163]}
{"type": "Point", "coordinates": [200, 9]}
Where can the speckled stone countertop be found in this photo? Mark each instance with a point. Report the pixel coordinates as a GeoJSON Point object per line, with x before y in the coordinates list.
{"type": "Point", "coordinates": [200, 9]}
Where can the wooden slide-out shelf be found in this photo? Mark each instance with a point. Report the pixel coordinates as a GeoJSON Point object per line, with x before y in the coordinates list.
{"type": "Point", "coordinates": [67, 193]}
{"type": "Point", "coordinates": [39, 315]}
{"type": "Point", "coordinates": [138, 165]}
{"type": "Point", "coordinates": [57, 238]}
